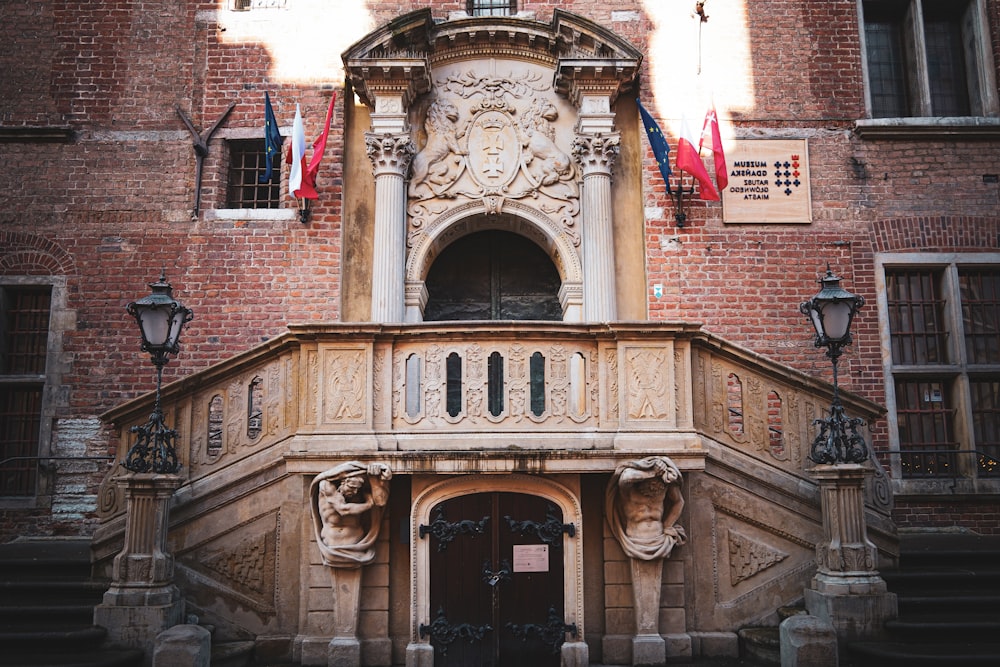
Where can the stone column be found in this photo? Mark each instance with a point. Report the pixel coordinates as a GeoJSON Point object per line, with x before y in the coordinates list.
{"type": "Point", "coordinates": [143, 600]}
{"type": "Point", "coordinates": [596, 154]}
{"type": "Point", "coordinates": [847, 590]}
{"type": "Point", "coordinates": [390, 154]}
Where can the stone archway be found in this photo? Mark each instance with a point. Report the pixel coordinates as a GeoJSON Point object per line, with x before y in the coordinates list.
{"type": "Point", "coordinates": [458, 223]}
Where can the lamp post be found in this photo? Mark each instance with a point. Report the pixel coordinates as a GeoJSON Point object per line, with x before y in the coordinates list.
{"type": "Point", "coordinates": [847, 591]}
{"type": "Point", "coordinates": [143, 601]}
{"type": "Point", "coordinates": [831, 312]}
{"type": "Point", "coordinates": [160, 318]}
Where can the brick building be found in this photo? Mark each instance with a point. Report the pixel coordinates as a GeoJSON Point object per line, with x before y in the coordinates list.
{"type": "Point", "coordinates": [494, 293]}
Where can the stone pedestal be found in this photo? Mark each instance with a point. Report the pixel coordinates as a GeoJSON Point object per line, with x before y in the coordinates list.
{"type": "Point", "coordinates": [648, 647]}
{"type": "Point", "coordinates": [344, 649]}
{"type": "Point", "coordinates": [142, 601]}
{"type": "Point", "coordinates": [847, 591]}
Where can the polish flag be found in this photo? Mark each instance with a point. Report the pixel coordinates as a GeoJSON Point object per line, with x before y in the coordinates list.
{"type": "Point", "coordinates": [297, 154]}
{"type": "Point", "coordinates": [689, 160]}
{"type": "Point", "coordinates": [710, 130]}
{"type": "Point", "coordinates": [308, 187]}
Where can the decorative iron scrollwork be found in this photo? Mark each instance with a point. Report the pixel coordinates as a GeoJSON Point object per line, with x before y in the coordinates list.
{"type": "Point", "coordinates": [444, 633]}
{"type": "Point", "coordinates": [549, 532]}
{"type": "Point", "coordinates": [501, 576]}
{"type": "Point", "coordinates": [552, 634]}
{"type": "Point", "coordinates": [446, 531]}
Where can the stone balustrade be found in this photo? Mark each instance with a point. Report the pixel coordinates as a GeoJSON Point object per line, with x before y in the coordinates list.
{"type": "Point", "coordinates": [544, 389]}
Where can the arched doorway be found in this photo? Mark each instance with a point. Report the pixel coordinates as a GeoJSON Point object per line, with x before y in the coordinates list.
{"type": "Point", "coordinates": [493, 275]}
{"type": "Point", "coordinates": [496, 589]}
{"type": "Point", "coordinates": [497, 572]}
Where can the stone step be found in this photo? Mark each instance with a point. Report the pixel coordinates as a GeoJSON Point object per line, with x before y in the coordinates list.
{"type": "Point", "coordinates": [909, 654]}
{"type": "Point", "coordinates": [760, 645]}
{"type": "Point", "coordinates": [37, 658]}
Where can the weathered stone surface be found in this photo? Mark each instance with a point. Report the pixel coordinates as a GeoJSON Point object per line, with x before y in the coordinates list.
{"type": "Point", "coordinates": [183, 646]}
{"type": "Point", "coordinates": [807, 641]}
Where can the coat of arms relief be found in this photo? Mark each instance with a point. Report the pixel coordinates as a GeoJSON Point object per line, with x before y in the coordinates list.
{"type": "Point", "coordinates": [490, 139]}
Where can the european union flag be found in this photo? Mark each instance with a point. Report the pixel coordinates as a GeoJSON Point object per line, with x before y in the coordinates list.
{"type": "Point", "coordinates": [657, 142]}
{"type": "Point", "coordinates": [272, 139]}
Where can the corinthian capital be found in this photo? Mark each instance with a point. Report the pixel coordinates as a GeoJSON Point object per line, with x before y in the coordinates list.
{"type": "Point", "coordinates": [390, 153]}
{"type": "Point", "coordinates": [596, 153]}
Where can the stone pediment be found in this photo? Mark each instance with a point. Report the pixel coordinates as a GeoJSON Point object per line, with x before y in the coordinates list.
{"type": "Point", "coordinates": [408, 48]}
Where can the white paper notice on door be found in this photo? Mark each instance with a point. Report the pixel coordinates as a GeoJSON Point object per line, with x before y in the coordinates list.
{"type": "Point", "coordinates": [531, 558]}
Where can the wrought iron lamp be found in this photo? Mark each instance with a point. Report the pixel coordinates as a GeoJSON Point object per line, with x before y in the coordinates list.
{"type": "Point", "coordinates": [831, 312]}
{"type": "Point", "coordinates": [160, 318]}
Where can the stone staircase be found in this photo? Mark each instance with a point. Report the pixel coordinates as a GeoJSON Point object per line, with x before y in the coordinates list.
{"type": "Point", "coordinates": [47, 600]}
{"type": "Point", "coordinates": [948, 588]}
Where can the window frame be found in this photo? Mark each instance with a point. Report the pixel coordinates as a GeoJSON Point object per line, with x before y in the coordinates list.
{"type": "Point", "coordinates": [980, 77]}
{"type": "Point", "coordinates": [60, 320]}
{"type": "Point", "coordinates": [474, 8]}
{"type": "Point", "coordinates": [220, 211]}
{"type": "Point", "coordinates": [955, 372]}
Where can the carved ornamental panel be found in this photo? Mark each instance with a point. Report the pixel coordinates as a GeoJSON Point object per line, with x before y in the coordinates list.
{"type": "Point", "coordinates": [494, 132]}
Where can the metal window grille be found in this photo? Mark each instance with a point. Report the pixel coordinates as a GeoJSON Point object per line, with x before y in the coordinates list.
{"type": "Point", "coordinates": [491, 7]}
{"type": "Point", "coordinates": [20, 420]}
{"type": "Point", "coordinates": [986, 425]}
{"type": "Point", "coordinates": [24, 329]}
{"type": "Point", "coordinates": [916, 319]}
{"type": "Point", "coordinates": [926, 434]}
{"type": "Point", "coordinates": [980, 291]}
{"type": "Point", "coordinates": [247, 162]}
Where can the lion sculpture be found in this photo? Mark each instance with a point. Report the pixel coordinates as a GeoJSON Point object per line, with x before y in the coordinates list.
{"type": "Point", "coordinates": [544, 162]}
{"type": "Point", "coordinates": [441, 160]}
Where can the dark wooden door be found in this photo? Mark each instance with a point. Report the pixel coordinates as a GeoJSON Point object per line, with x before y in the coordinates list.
{"type": "Point", "coordinates": [496, 581]}
{"type": "Point", "coordinates": [493, 275]}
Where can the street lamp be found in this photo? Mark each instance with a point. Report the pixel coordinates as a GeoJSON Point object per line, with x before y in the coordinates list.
{"type": "Point", "coordinates": [160, 320]}
{"type": "Point", "coordinates": [831, 312]}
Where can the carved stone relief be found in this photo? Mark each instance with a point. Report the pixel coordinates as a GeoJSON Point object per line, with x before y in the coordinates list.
{"type": "Point", "coordinates": [238, 564]}
{"type": "Point", "coordinates": [494, 133]}
{"type": "Point", "coordinates": [346, 374]}
{"type": "Point", "coordinates": [748, 556]}
{"type": "Point", "coordinates": [646, 373]}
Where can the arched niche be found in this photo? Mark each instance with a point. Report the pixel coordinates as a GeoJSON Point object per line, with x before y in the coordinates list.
{"type": "Point", "coordinates": [472, 218]}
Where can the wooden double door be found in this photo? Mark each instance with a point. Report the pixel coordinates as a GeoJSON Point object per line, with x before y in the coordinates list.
{"type": "Point", "coordinates": [496, 581]}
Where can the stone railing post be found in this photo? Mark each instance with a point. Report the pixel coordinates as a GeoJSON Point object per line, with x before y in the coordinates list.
{"type": "Point", "coordinates": [847, 590]}
{"type": "Point", "coordinates": [143, 600]}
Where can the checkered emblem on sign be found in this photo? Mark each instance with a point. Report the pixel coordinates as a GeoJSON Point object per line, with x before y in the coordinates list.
{"type": "Point", "coordinates": [786, 174]}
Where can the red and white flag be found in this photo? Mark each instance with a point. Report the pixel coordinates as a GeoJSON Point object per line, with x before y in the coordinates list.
{"type": "Point", "coordinates": [689, 160]}
{"type": "Point", "coordinates": [297, 154]}
{"type": "Point", "coordinates": [308, 188]}
{"type": "Point", "coordinates": [710, 130]}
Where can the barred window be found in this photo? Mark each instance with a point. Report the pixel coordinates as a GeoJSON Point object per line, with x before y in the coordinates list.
{"type": "Point", "coordinates": [944, 358]}
{"type": "Point", "coordinates": [491, 7]}
{"type": "Point", "coordinates": [247, 163]}
{"type": "Point", "coordinates": [24, 330]}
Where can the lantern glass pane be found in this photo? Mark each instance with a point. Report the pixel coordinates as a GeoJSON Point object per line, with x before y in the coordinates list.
{"type": "Point", "coordinates": [155, 325]}
{"type": "Point", "coordinates": [837, 319]}
{"type": "Point", "coordinates": [176, 323]}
